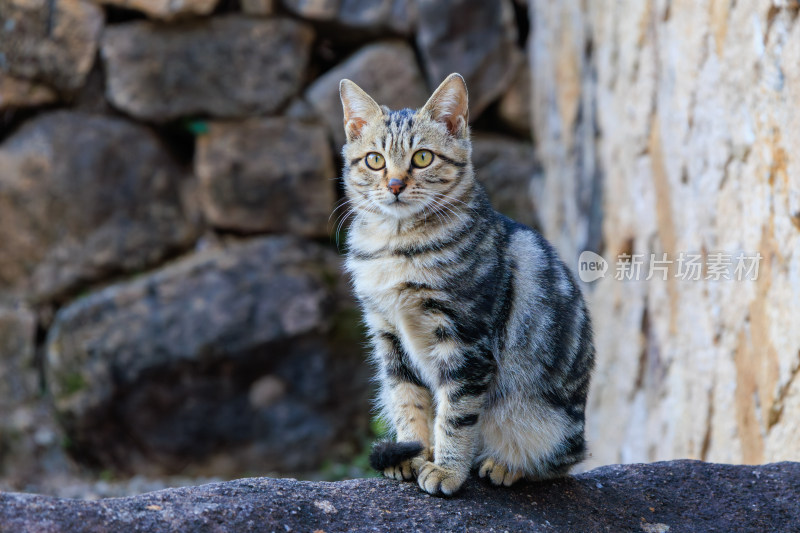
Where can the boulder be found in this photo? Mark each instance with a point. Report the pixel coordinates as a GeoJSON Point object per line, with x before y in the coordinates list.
{"type": "Point", "coordinates": [267, 175]}
{"type": "Point", "coordinates": [239, 358]}
{"type": "Point", "coordinates": [30, 441]}
{"type": "Point", "coordinates": [49, 42]}
{"type": "Point", "coordinates": [387, 71]}
{"type": "Point", "coordinates": [650, 498]}
{"type": "Point", "coordinates": [230, 66]}
{"type": "Point", "coordinates": [17, 93]}
{"type": "Point", "coordinates": [358, 16]}
{"type": "Point", "coordinates": [514, 107]}
{"type": "Point", "coordinates": [82, 198]}
{"type": "Point", "coordinates": [506, 167]}
{"type": "Point", "coordinates": [258, 7]}
{"type": "Point", "coordinates": [475, 38]}
{"type": "Point", "coordinates": [19, 379]}
{"type": "Point", "coordinates": [166, 9]}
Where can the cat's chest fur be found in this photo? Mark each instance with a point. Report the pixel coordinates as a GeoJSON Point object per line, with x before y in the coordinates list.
{"type": "Point", "coordinates": [394, 287]}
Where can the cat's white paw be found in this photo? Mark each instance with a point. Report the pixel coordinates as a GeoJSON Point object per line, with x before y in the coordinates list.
{"type": "Point", "coordinates": [498, 473]}
{"type": "Point", "coordinates": [434, 479]}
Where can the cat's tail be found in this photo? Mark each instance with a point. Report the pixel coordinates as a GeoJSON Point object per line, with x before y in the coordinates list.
{"type": "Point", "coordinates": [386, 453]}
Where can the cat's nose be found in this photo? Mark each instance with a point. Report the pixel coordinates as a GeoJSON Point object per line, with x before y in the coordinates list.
{"type": "Point", "coordinates": [396, 186]}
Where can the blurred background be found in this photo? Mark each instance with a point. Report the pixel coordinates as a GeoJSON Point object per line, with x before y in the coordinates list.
{"type": "Point", "coordinates": [172, 306]}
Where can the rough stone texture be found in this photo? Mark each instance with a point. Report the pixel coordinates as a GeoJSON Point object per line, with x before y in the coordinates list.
{"type": "Point", "coordinates": [371, 16]}
{"type": "Point", "coordinates": [166, 9]}
{"type": "Point", "coordinates": [695, 150]}
{"type": "Point", "coordinates": [16, 93]}
{"type": "Point", "coordinates": [505, 167]}
{"type": "Point", "coordinates": [84, 197]}
{"type": "Point", "coordinates": [514, 107]}
{"type": "Point", "coordinates": [56, 48]}
{"type": "Point", "coordinates": [675, 496]}
{"type": "Point", "coordinates": [30, 445]}
{"type": "Point", "coordinates": [258, 7]}
{"type": "Point", "coordinates": [244, 358]}
{"type": "Point", "coordinates": [370, 68]}
{"type": "Point", "coordinates": [475, 38]}
{"type": "Point", "coordinates": [230, 66]}
{"type": "Point", "coordinates": [273, 175]}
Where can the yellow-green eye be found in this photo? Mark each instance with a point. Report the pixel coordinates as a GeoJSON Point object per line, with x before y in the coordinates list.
{"type": "Point", "coordinates": [375, 161]}
{"type": "Point", "coordinates": [422, 158]}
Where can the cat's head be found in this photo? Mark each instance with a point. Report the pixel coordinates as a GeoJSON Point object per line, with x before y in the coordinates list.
{"type": "Point", "coordinates": [407, 164]}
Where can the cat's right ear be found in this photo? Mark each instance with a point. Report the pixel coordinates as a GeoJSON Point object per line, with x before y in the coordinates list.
{"type": "Point", "coordinates": [359, 109]}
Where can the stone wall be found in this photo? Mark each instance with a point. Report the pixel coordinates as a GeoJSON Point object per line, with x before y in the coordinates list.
{"type": "Point", "coordinates": [171, 300]}
{"type": "Point", "coordinates": [668, 127]}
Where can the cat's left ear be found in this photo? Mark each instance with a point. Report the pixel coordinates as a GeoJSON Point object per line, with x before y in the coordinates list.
{"type": "Point", "coordinates": [359, 108]}
{"type": "Point", "coordinates": [450, 106]}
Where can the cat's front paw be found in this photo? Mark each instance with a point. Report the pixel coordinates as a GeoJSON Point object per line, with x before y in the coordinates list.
{"type": "Point", "coordinates": [498, 473]}
{"type": "Point", "coordinates": [409, 469]}
{"type": "Point", "coordinates": [435, 479]}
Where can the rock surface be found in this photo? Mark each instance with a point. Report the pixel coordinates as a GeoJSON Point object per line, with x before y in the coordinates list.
{"type": "Point", "coordinates": [370, 68]}
{"type": "Point", "coordinates": [69, 217]}
{"type": "Point", "coordinates": [349, 16]}
{"type": "Point", "coordinates": [514, 107]}
{"type": "Point", "coordinates": [240, 348]}
{"type": "Point", "coordinates": [677, 121]}
{"type": "Point", "coordinates": [166, 9]}
{"type": "Point", "coordinates": [229, 66]}
{"type": "Point", "coordinates": [475, 38]}
{"type": "Point", "coordinates": [269, 175]}
{"type": "Point", "coordinates": [506, 167]}
{"type": "Point", "coordinates": [56, 48]}
{"type": "Point", "coordinates": [660, 497]}
{"type": "Point", "coordinates": [16, 93]}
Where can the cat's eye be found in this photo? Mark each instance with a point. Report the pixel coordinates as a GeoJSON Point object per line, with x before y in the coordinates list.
{"type": "Point", "coordinates": [375, 161]}
{"type": "Point", "coordinates": [422, 158]}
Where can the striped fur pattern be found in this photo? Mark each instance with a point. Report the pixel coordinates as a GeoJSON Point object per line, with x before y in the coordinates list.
{"type": "Point", "coordinates": [480, 334]}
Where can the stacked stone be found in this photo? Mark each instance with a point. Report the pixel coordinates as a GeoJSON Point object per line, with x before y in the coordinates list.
{"type": "Point", "coordinates": [170, 290]}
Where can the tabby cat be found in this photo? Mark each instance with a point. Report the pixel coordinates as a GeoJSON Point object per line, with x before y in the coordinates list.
{"type": "Point", "coordinates": [481, 336]}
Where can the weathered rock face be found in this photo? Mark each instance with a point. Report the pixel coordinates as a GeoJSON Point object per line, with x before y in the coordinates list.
{"type": "Point", "coordinates": [72, 217]}
{"type": "Point", "coordinates": [56, 48]}
{"type": "Point", "coordinates": [229, 66]}
{"type": "Point", "coordinates": [505, 166]}
{"type": "Point", "coordinates": [273, 175]}
{"type": "Point", "coordinates": [230, 349]}
{"type": "Point", "coordinates": [514, 107]}
{"type": "Point", "coordinates": [371, 16]}
{"type": "Point", "coordinates": [370, 68]}
{"type": "Point", "coordinates": [695, 151]}
{"type": "Point", "coordinates": [16, 92]}
{"type": "Point", "coordinates": [19, 380]}
{"type": "Point", "coordinates": [475, 38]}
{"type": "Point", "coordinates": [651, 498]}
{"type": "Point", "coordinates": [166, 9]}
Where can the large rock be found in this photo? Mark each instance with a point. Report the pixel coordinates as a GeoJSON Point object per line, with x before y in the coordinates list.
{"type": "Point", "coordinates": [475, 38]}
{"type": "Point", "coordinates": [166, 9]}
{"type": "Point", "coordinates": [273, 175]}
{"type": "Point", "coordinates": [229, 66]}
{"type": "Point", "coordinates": [506, 167]}
{"type": "Point", "coordinates": [514, 107]}
{"type": "Point", "coordinates": [49, 42]}
{"type": "Point", "coordinates": [30, 442]}
{"type": "Point", "coordinates": [386, 71]}
{"type": "Point", "coordinates": [677, 123]}
{"type": "Point", "coordinates": [358, 16]}
{"type": "Point", "coordinates": [676, 496]}
{"type": "Point", "coordinates": [82, 198]}
{"type": "Point", "coordinates": [244, 358]}
{"type": "Point", "coordinates": [19, 377]}
{"type": "Point", "coordinates": [17, 93]}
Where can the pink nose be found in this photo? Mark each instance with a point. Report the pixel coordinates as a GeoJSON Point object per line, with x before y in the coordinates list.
{"type": "Point", "coordinates": [396, 186]}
